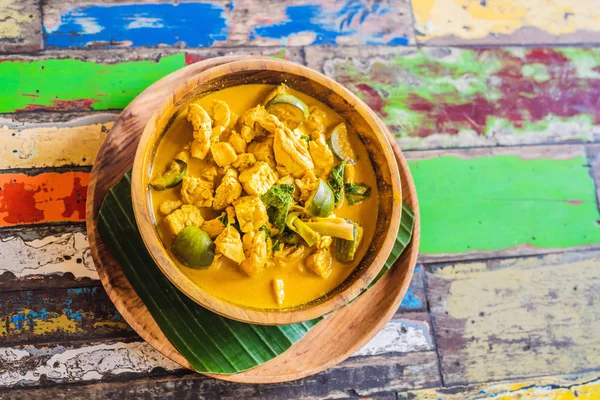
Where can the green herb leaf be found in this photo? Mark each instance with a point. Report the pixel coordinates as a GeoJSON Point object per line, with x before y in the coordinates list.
{"type": "Point", "coordinates": [336, 181]}
{"type": "Point", "coordinates": [278, 200]}
{"type": "Point", "coordinates": [356, 192]}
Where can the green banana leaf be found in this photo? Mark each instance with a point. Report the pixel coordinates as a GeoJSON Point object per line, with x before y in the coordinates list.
{"type": "Point", "coordinates": [209, 342]}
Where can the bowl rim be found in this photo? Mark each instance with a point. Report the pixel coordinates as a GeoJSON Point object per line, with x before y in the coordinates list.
{"type": "Point", "coordinates": [145, 222]}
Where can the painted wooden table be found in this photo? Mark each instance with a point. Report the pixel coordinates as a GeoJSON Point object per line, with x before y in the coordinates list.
{"type": "Point", "coordinates": [503, 138]}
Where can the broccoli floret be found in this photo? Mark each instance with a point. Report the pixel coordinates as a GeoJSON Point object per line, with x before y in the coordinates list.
{"type": "Point", "coordinates": [356, 192]}
{"type": "Point", "coordinates": [279, 199]}
{"type": "Point", "coordinates": [336, 181]}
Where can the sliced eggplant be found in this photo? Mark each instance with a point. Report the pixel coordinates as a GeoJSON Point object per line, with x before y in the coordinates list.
{"type": "Point", "coordinates": [288, 107]}
{"type": "Point", "coordinates": [345, 250]}
{"type": "Point", "coordinates": [194, 248]}
{"type": "Point", "coordinates": [321, 202]}
{"type": "Point", "coordinates": [172, 176]}
{"type": "Point", "coordinates": [339, 142]}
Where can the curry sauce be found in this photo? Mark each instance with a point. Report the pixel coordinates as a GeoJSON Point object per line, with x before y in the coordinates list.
{"type": "Point", "coordinates": [253, 169]}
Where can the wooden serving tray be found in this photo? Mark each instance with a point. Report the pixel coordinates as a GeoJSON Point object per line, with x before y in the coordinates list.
{"type": "Point", "coordinates": [331, 341]}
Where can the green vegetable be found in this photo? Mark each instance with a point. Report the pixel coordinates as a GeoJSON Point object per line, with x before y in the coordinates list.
{"type": "Point", "coordinates": [288, 107]}
{"type": "Point", "coordinates": [336, 227]}
{"type": "Point", "coordinates": [171, 177]}
{"type": "Point", "coordinates": [340, 144]}
{"type": "Point", "coordinates": [345, 250]}
{"type": "Point", "coordinates": [321, 201]}
{"type": "Point", "coordinates": [194, 248]}
{"type": "Point", "coordinates": [336, 181]}
{"type": "Point", "coordinates": [276, 245]}
{"type": "Point", "coordinates": [289, 237]}
{"type": "Point", "coordinates": [356, 192]}
{"type": "Point", "coordinates": [278, 201]}
{"type": "Point", "coordinates": [305, 137]}
{"type": "Point", "coordinates": [295, 224]}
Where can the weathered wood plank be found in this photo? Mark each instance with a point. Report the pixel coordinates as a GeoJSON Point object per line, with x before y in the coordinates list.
{"type": "Point", "coordinates": [224, 23]}
{"type": "Point", "coordinates": [46, 197]}
{"type": "Point", "coordinates": [593, 155]}
{"type": "Point", "coordinates": [43, 257]}
{"type": "Point", "coordinates": [400, 356]}
{"type": "Point", "coordinates": [20, 26]}
{"type": "Point", "coordinates": [40, 145]}
{"type": "Point", "coordinates": [59, 316]}
{"type": "Point", "coordinates": [506, 22]}
{"type": "Point", "coordinates": [415, 298]}
{"type": "Point", "coordinates": [451, 97]}
{"type": "Point", "coordinates": [504, 201]}
{"type": "Point", "coordinates": [52, 80]}
{"type": "Point", "coordinates": [581, 386]}
{"type": "Point", "coordinates": [512, 318]}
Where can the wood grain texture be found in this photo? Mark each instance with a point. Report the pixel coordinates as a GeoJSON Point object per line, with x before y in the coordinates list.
{"type": "Point", "coordinates": [41, 145]}
{"type": "Point", "coordinates": [542, 200]}
{"type": "Point", "coordinates": [59, 316]}
{"type": "Point", "coordinates": [45, 256]}
{"type": "Point", "coordinates": [360, 320]}
{"type": "Point", "coordinates": [504, 22]}
{"type": "Point", "coordinates": [511, 318]}
{"type": "Point", "coordinates": [450, 97]}
{"type": "Point", "coordinates": [359, 118]}
{"type": "Point", "coordinates": [52, 80]}
{"type": "Point", "coordinates": [405, 341]}
{"type": "Point", "coordinates": [585, 386]}
{"type": "Point", "coordinates": [98, 23]}
{"type": "Point", "coordinates": [20, 26]}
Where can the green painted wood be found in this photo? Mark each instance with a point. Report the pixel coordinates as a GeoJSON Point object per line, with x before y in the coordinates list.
{"type": "Point", "coordinates": [485, 200]}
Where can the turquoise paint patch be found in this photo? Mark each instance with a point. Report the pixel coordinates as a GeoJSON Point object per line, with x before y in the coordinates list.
{"type": "Point", "coordinates": [194, 24]}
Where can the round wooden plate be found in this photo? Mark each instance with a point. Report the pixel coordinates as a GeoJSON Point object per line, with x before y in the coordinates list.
{"type": "Point", "coordinates": [331, 341]}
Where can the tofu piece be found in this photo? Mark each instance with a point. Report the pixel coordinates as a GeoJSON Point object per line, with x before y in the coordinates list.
{"type": "Point", "coordinates": [278, 290]}
{"type": "Point", "coordinates": [256, 249]}
{"type": "Point", "coordinates": [229, 244]}
{"type": "Point", "coordinates": [214, 227]}
{"type": "Point", "coordinates": [223, 153]}
{"type": "Point", "coordinates": [238, 142]}
{"type": "Point", "coordinates": [221, 114]}
{"type": "Point", "coordinates": [258, 179]}
{"type": "Point", "coordinates": [319, 263]}
{"type": "Point", "coordinates": [168, 206]}
{"type": "Point", "coordinates": [263, 151]}
{"type": "Point", "coordinates": [251, 213]}
{"type": "Point", "coordinates": [187, 215]}
{"type": "Point", "coordinates": [244, 161]}
{"type": "Point", "coordinates": [248, 133]}
{"type": "Point", "coordinates": [210, 173]}
{"type": "Point", "coordinates": [202, 125]}
{"type": "Point", "coordinates": [196, 191]}
{"type": "Point", "coordinates": [322, 155]}
{"type": "Point", "coordinates": [229, 190]}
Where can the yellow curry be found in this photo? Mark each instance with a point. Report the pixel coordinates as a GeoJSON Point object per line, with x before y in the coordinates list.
{"type": "Point", "coordinates": [263, 196]}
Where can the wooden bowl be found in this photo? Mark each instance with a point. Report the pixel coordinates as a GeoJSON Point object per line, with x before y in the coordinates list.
{"type": "Point", "coordinates": [357, 114]}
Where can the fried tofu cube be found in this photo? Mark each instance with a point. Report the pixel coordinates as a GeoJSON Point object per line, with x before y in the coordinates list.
{"type": "Point", "coordinates": [258, 179]}
{"type": "Point", "coordinates": [250, 212]}
{"type": "Point", "coordinates": [319, 263]}
{"type": "Point", "coordinates": [256, 249]}
{"type": "Point", "coordinates": [238, 142]}
{"type": "Point", "coordinates": [223, 153]}
{"type": "Point", "coordinates": [229, 190]}
{"type": "Point", "coordinates": [244, 161]}
{"type": "Point", "coordinates": [214, 227]}
{"type": "Point", "coordinates": [196, 191]}
{"type": "Point", "coordinates": [229, 243]}
{"type": "Point", "coordinates": [168, 206]}
{"type": "Point", "coordinates": [248, 133]}
{"type": "Point", "coordinates": [278, 290]}
{"type": "Point", "coordinates": [187, 215]}
{"type": "Point", "coordinates": [263, 151]}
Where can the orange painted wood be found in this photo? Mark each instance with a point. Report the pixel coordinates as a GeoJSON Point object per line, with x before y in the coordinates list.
{"type": "Point", "coordinates": [328, 343]}
{"type": "Point", "coordinates": [47, 197]}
